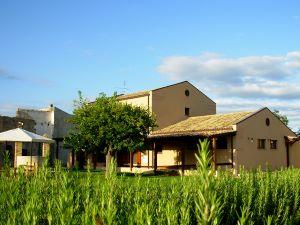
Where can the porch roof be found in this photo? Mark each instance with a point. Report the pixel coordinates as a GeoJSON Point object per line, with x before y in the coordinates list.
{"type": "Point", "coordinates": [21, 135]}
{"type": "Point", "coordinates": [209, 125]}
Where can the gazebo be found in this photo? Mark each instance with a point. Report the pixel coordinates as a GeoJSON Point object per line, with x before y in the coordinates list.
{"type": "Point", "coordinates": [25, 148]}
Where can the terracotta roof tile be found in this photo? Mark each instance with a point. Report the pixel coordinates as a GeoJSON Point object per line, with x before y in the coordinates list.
{"type": "Point", "coordinates": [202, 125]}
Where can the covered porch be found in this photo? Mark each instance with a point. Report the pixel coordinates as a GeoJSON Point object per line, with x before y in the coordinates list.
{"type": "Point", "coordinates": [175, 146]}
{"type": "Point", "coordinates": [178, 153]}
{"type": "Point", "coordinates": [20, 147]}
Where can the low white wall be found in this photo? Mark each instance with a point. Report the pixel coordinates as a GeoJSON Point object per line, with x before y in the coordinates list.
{"type": "Point", "coordinates": [26, 160]}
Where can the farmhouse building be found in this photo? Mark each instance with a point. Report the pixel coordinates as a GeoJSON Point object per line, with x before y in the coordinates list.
{"type": "Point", "coordinates": [185, 115]}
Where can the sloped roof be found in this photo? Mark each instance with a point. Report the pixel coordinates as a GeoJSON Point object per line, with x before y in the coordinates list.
{"type": "Point", "coordinates": [133, 95]}
{"type": "Point", "coordinates": [147, 92]}
{"type": "Point", "coordinates": [21, 135]}
{"type": "Point", "coordinates": [203, 125]}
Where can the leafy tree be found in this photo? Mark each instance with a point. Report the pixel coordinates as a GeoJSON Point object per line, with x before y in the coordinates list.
{"type": "Point", "coordinates": [283, 118]}
{"type": "Point", "coordinates": [108, 125]}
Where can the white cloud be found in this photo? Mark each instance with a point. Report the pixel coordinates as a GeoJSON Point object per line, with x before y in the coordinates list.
{"type": "Point", "coordinates": [268, 80]}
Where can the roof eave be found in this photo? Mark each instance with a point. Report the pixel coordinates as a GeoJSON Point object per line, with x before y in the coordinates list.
{"type": "Point", "coordinates": [191, 134]}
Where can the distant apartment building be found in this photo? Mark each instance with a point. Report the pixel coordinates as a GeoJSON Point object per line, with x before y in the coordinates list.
{"type": "Point", "coordinates": [52, 123]}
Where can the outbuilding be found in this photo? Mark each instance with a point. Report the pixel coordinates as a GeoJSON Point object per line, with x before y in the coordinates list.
{"type": "Point", "coordinates": [24, 148]}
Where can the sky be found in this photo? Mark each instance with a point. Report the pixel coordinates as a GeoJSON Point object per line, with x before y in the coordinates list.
{"type": "Point", "coordinates": [243, 54]}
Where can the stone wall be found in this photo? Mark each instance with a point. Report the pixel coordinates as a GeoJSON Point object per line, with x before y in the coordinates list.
{"type": "Point", "coordinates": [8, 123]}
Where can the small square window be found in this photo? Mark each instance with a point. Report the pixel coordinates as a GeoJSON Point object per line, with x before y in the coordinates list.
{"type": "Point", "coordinates": [261, 144]}
{"type": "Point", "coordinates": [273, 144]}
{"type": "Point", "coordinates": [187, 111]}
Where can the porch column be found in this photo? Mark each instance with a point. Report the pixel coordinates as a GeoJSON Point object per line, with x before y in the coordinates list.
{"type": "Point", "coordinates": [148, 158]}
{"type": "Point", "coordinates": [46, 149]}
{"type": "Point", "coordinates": [131, 160]}
{"type": "Point", "coordinates": [182, 161]}
{"type": "Point", "coordinates": [214, 147]}
{"type": "Point", "coordinates": [18, 152]}
{"type": "Point", "coordinates": [231, 145]}
{"type": "Point", "coordinates": [155, 158]}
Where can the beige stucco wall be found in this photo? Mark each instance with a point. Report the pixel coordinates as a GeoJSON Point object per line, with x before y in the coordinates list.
{"type": "Point", "coordinates": [169, 103]}
{"type": "Point", "coordinates": [224, 155]}
{"type": "Point", "coordinates": [295, 154]}
{"type": "Point", "coordinates": [145, 158]}
{"type": "Point", "coordinates": [143, 101]}
{"type": "Point", "coordinates": [168, 157]}
{"type": "Point", "coordinates": [254, 128]}
{"type": "Point", "coordinates": [172, 150]}
{"type": "Point", "coordinates": [29, 160]}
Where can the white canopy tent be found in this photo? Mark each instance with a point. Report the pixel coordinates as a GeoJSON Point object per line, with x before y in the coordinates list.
{"type": "Point", "coordinates": [20, 136]}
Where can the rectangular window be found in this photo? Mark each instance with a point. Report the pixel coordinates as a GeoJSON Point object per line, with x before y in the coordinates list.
{"type": "Point", "coordinates": [261, 144]}
{"type": "Point", "coordinates": [24, 152]}
{"type": "Point", "coordinates": [222, 142]}
{"type": "Point", "coordinates": [187, 111]}
{"type": "Point", "coordinates": [273, 144]}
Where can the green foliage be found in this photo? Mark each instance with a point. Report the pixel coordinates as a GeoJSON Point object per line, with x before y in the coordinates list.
{"type": "Point", "coordinates": [108, 123]}
{"type": "Point", "coordinates": [282, 117]}
{"type": "Point", "coordinates": [57, 196]}
{"type": "Point", "coordinates": [6, 160]}
{"type": "Point", "coordinates": [208, 207]}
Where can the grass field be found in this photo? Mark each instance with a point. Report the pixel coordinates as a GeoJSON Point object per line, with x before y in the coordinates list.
{"type": "Point", "coordinates": [57, 196]}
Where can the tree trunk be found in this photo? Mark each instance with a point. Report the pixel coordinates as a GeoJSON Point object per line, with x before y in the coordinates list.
{"type": "Point", "coordinates": [109, 156]}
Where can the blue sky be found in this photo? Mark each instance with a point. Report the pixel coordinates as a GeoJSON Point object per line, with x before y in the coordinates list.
{"type": "Point", "coordinates": [243, 54]}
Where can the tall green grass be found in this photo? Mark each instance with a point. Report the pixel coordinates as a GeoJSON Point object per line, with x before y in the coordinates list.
{"type": "Point", "coordinates": [57, 196]}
